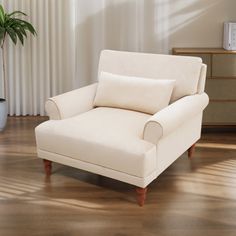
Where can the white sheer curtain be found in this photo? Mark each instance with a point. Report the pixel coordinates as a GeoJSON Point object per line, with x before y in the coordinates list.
{"type": "Point", "coordinates": [71, 34]}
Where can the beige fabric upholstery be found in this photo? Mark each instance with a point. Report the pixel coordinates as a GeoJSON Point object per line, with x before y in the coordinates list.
{"type": "Point", "coordinates": [185, 70]}
{"type": "Point", "coordinates": [97, 169]}
{"type": "Point", "coordinates": [133, 93]}
{"type": "Point", "coordinates": [168, 150]}
{"type": "Point", "coordinates": [106, 137]}
{"type": "Point", "coordinates": [167, 120]}
{"type": "Point", "coordinates": [202, 79]}
{"type": "Point", "coordinates": [71, 103]}
{"type": "Point", "coordinates": [172, 146]}
{"type": "Point", "coordinates": [126, 145]}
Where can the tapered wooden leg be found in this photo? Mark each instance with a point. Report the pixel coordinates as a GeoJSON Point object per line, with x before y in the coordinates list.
{"type": "Point", "coordinates": [191, 151]}
{"type": "Point", "coordinates": [47, 167]}
{"type": "Point", "coordinates": [141, 195]}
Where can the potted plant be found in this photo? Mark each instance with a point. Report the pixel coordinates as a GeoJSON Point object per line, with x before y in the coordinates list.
{"type": "Point", "coordinates": [13, 26]}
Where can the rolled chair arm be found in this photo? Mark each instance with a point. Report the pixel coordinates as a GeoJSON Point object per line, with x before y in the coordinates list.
{"type": "Point", "coordinates": [167, 120]}
{"type": "Point", "coordinates": [72, 103]}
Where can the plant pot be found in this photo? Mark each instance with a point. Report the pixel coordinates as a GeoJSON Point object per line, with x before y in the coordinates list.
{"type": "Point", "coordinates": [3, 114]}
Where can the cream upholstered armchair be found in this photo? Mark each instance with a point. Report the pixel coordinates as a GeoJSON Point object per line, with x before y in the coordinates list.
{"type": "Point", "coordinates": [144, 113]}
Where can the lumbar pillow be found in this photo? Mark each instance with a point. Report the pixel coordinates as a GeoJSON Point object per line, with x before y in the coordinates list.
{"type": "Point", "coordinates": [133, 93]}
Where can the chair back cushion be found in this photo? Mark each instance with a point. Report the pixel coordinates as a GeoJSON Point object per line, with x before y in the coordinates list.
{"type": "Point", "coordinates": [133, 93]}
{"type": "Point", "coordinates": [184, 70]}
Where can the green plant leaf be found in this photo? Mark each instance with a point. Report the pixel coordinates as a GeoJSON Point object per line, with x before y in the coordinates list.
{"type": "Point", "coordinates": [2, 10]}
{"type": "Point", "coordinates": [2, 15]}
{"type": "Point", "coordinates": [19, 27]}
{"type": "Point", "coordinates": [16, 13]}
{"type": "Point", "coordinates": [27, 26]}
{"type": "Point", "coordinates": [19, 30]}
{"type": "Point", "coordinates": [2, 34]}
{"type": "Point", "coordinates": [20, 36]}
{"type": "Point", "coordinates": [16, 28]}
{"type": "Point", "coordinates": [12, 34]}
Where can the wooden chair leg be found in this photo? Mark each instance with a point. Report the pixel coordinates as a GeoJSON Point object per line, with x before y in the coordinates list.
{"type": "Point", "coordinates": [141, 195]}
{"type": "Point", "coordinates": [191, 150]}
{"type": "Point", "coordinates": [47, 167]}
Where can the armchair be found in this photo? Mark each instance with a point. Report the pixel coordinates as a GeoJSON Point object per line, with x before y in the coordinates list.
{"type": "Point", "coordinates": [123, 144]}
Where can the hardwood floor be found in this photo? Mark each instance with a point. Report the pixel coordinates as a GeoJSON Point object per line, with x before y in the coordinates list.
{"type": "Point", "coordinates": [192, 197]}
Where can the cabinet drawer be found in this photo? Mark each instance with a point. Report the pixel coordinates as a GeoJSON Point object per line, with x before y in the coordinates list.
{"type": "Point", "coordinates": [206, 58]}
{"type": "Point", "coordinates": [224, 66]}
{"type": "Point", "coordinates": [220, 113]}
{"type": "Point", "coordinates": [221, 89]}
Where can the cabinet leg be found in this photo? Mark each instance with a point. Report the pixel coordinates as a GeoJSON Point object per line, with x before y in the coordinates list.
{"type": "Point", "coordinates": [191, 151]}
{"type": "Point", "coordinates": [141, 195]}
{"type": "Point", "coordinates": [47, 167]}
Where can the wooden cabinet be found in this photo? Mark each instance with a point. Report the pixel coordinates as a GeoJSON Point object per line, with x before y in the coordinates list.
{"type": "Point", "coordinates": [220, 83]}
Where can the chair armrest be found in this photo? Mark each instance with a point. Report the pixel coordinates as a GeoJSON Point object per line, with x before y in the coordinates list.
{"type": "Point", "coordinates": [167, 120]}
{"type": "Point", "coordinates": [72, 103]}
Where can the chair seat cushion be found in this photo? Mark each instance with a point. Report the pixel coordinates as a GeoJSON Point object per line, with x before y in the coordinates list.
{"type": "Point", "coordinates": [107, 137]}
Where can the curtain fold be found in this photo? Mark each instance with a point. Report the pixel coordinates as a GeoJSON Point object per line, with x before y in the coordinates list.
{"type": "Point", "coordinates": [70, 35]}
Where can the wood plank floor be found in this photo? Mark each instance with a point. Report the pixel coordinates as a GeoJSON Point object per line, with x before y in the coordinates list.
{"type": "Point", "coordinates": [192, 197]}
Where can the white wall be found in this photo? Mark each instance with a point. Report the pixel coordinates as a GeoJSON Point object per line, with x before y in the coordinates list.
{"type": "Point", "coordinates": [186, 23]}
{"type": "Point", "coordinates": [199, 23]}
{"type": "Point", "coordinates": [154, 26]}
